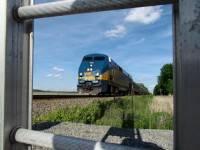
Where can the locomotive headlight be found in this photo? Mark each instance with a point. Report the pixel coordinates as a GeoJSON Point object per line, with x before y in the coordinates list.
{"type": "Point", "coordinates": [90, 69]}
{"type": "Point", "coordinates": [97, 74]}
{"type": "Point", "coordinates": [81, 74]}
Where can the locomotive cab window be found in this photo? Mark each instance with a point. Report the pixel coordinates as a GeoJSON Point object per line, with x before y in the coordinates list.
{"type": "Point", "coordinates": [87, 58]}
{"type": "Point", "coordinates": [99, 58]}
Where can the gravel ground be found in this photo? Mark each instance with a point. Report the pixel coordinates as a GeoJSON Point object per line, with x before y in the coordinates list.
{"type": "Point", "coordinates": [140, 138]}
{"type": "Point", "coordinates": [45, 106]}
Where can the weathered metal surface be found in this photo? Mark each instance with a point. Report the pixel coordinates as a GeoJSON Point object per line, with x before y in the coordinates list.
{"type": "Point", "coordinates": [2, 68]}
{"type": "Point", "coordinates": [53, 141]}
{"type": "Point", "coordinates": [80, 6]}
{"type": "Point", "coordinates": [14, 73]}
{"type": "Point", "coordinates": [187, 73]}
{"type": "Point", "coordinates": [30, 84]}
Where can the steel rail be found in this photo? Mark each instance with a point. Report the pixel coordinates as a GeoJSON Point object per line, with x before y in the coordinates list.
{"type": "Point", "coordinates": [53, 141]}
{"type": "Point", "coordinates": [61, 96]}
{"type": "Point", "coordinates": [68, 7]}
{"type": "Point", "coordinates": [47, 96]}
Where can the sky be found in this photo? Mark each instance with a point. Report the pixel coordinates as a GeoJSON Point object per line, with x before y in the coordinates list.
{"type": "Point", "coordinates": [139, 40]}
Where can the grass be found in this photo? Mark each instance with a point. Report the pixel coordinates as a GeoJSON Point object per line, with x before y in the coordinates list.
{"type": "Point", "coordinates": [86, 115]}
{"type": "Point", "coordinates": [162, 104]}
{"type": "Point", "coordinates": [122, 112]}
{"type": "Point", "coordinates": [147, 119]}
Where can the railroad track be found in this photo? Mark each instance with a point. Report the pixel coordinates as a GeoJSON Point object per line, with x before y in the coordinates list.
{"type": "Point", "coordinates": [47, 96]}
{"type": "Point", "coordinates": [61, 96]}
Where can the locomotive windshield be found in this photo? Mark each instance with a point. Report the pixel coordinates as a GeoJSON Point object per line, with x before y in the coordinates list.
{"type": "Point", "coordinates": [94, 58]}
{"type": "Point", "coordinates": [99, 58]}
{"type": "Point", "coordinates": [87, 58]}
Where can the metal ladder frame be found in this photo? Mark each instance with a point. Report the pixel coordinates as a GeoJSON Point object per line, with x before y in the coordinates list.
{"type": "Point", "coordinates": [16, 56]}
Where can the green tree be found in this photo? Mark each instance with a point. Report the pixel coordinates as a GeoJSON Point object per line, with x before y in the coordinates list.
{"type": "Point", "coordinates": [156, 90]}
{"type": "Point", "coordinates": [165, 81]}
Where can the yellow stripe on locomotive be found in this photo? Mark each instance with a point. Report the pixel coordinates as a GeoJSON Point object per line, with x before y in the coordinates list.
{"type": "Point", "coordinates": [105, 76]}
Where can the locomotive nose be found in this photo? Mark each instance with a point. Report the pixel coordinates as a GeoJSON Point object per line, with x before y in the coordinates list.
{"type": "Point", "coordinates": [91, 64]}
{"type": "Point", "coordinates": [90, 68]}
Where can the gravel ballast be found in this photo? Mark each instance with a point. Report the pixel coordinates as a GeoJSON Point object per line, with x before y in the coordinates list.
{"type": "Point", "coordinates": [140, 138]}
{"type": "Point", "coordinates": [45, 106]}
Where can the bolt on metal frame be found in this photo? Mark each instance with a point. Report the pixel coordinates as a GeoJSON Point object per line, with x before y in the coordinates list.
{"type": "Point", "coordinates": [16, 62]}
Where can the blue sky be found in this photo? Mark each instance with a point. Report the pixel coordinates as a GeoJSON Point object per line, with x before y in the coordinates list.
{"type": "Point", "coordinates": [139, 40]}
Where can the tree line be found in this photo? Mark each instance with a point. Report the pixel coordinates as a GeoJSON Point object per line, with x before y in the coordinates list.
{"type": "Point", "coordinates": [165, 81]}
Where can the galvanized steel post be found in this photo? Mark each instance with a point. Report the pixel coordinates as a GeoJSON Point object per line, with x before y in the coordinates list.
{"type": "Point", "coordinates": [186, 74]}
{"type": "Point", "coordinates": [15, 73]}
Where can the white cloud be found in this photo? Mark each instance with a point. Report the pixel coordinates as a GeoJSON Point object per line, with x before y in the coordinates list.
{"type": "Point", "coordinates": [57, 69]}
{"type": "Point", "coordinates": [57, 75]}
{"type": "Point", "coordinates": [118, 31]}
{"type": "Point", "coordinates": [49, 75]}
{"type": "Point", "coordinates": [145, 15]}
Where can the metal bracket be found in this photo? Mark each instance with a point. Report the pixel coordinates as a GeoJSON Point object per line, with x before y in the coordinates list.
{"type": "Point", "coordinates": [13, 133]}
{"type": "Point", "coordinates": [16, 15]}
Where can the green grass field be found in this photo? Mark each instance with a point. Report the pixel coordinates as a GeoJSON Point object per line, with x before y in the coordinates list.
{"type": "Point", "coordinates": [123, 112]}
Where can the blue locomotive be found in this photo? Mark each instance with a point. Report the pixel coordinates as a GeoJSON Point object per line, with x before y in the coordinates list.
{"type": "Point", "coordinates": [99, 74]}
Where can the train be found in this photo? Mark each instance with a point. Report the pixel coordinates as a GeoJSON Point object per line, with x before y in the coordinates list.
{"type": "Point", "coordinates": [99, 74]}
